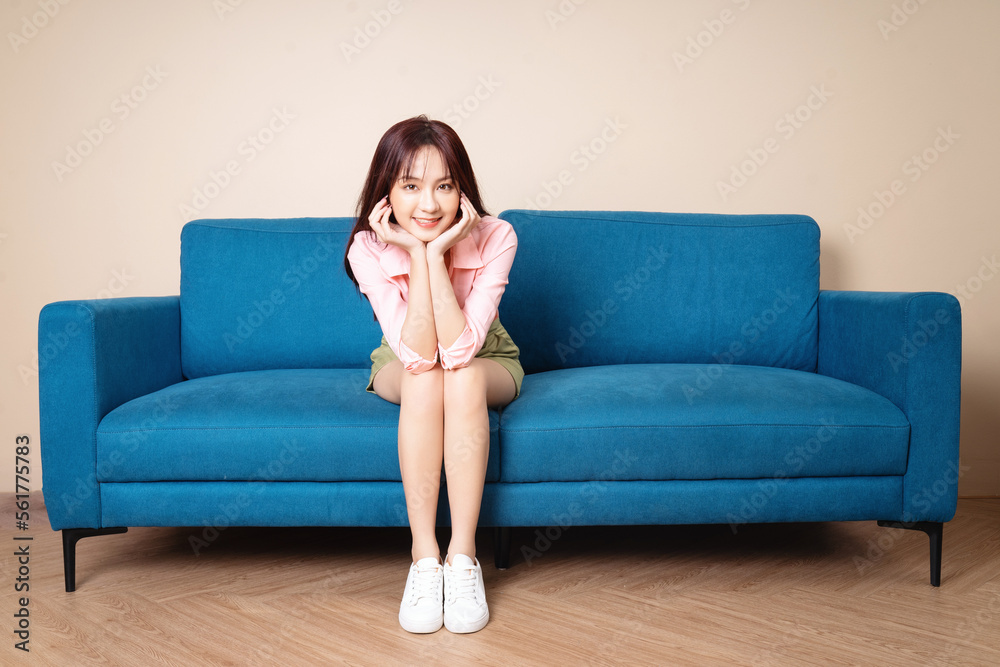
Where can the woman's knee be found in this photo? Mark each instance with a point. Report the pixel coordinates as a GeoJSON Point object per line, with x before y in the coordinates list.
{"type": "Point", "coordinates": [467, 385]}
{"type": "Point", "coordinates": [424, 388]}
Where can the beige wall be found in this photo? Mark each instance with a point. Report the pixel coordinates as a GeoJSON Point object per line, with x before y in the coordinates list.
{"type": "Point", "coordinates": [161, 95]}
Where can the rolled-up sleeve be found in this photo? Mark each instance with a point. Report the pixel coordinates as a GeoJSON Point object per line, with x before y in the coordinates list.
{"type": "Point", "coordinates": [387, 302]}
{"type": "Point", "coordinates": [480, 309]}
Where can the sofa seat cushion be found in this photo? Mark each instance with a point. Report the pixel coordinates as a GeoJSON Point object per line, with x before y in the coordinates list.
{"type": "Point", "coordinates": [697, 421]}
{"type": "Point", "coordinates": [271, 425]}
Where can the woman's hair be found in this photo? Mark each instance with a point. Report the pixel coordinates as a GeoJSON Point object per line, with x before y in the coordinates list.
{"type": "Point", "coordinates": [394, 157]}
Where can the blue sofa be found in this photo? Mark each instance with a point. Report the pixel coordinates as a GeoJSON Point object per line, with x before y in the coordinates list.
{"type": "Point", "coordinates": [680, 368]}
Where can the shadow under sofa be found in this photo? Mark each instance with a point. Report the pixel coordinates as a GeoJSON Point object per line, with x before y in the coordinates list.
{"type": "Point", "coordinates": [680, 369]}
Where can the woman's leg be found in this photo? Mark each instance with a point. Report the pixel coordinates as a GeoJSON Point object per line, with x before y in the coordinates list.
{"type": "Point", "coordinates": [421, 434]}
{"type": "Point", "coordinates": [467, 393]}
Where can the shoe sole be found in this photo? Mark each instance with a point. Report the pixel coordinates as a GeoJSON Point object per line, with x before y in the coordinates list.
{"type": "Point", "coordinates": [460, 627]}
{"type": "Point", "coordinates": [421, 628]}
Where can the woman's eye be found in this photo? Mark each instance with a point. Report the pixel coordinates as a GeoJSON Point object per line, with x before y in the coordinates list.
{"type": "Point", "coordinates": [410, 186]}
{"type": "Point", "coordinates": [447, 186]}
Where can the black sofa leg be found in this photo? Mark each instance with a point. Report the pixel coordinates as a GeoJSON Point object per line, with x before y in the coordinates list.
{"type": "Point", "coordinates": [935, 532]}
{"type": "Point", "coordinates": [70, 536]}
{"type": "Point", "coordinates": [501, 547]}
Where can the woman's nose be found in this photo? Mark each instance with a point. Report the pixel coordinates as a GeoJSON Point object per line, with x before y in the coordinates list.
{"type": "Point", "coordinates": [428, 201]}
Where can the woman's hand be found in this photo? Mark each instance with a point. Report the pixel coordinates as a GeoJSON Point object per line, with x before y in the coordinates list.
{"type": "Point", "coordinates": [457, 231]}
{"type": "Point", "coordinates": [391, 232]}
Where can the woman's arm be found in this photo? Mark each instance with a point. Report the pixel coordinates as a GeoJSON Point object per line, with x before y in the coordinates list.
{"type": "Point", "coordinates": [449, 319]}
{"type": "Point", "coordinates": [419, 331]}
{"type": "Point", "coordinates": [399, 319]}
{"type": "Point", "coordinates": [498, 247]}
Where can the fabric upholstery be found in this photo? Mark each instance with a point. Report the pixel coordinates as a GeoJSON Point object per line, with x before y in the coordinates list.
{"type": "Point", "coordinates": [908, 348]}
{"type": "Point", "coordinates": [282, 425]}
{"type": "Point", "coordinates": [270, 294]}
{"type": "Point", "coordinates": [681, 368]}
{"type": "Point", "coordinates": [590, 288]}
{"type": "Point", "coordinates": [95, 355]}
{"type": "Point", "coordinates": [652, 422]}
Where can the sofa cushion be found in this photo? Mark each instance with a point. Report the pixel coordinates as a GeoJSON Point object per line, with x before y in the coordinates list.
{"type": "Point", "coordinates": [262, 294]}
{"type": "Point", "coordinates": [590, 288]}
{"type": "Point", "coordinates": [279, 425]}
{"type": "Point", "coordinates": [697, 421]}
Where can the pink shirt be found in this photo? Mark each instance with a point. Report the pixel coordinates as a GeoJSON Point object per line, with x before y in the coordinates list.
{"type": "Point", "coordinates": [479, 266]}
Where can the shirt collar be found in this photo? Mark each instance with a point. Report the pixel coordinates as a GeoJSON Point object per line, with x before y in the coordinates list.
{"type": "Point", "coordinates": [464, 255]}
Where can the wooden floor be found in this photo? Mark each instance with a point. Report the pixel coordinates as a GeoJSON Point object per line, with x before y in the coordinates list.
{"type": "Point", "coordinates": [829, 593]}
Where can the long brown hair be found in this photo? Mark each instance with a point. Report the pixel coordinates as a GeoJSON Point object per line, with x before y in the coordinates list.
{"type": "Point", "coordinates": [394, 156]}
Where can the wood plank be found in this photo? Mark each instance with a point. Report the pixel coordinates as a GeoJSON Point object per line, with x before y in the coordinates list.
{"type": "Point", "coordinates": [643, 595]}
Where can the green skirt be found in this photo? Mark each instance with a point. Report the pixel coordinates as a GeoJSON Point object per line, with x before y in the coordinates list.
{"type": "Point", "coordinates": [498, 346]}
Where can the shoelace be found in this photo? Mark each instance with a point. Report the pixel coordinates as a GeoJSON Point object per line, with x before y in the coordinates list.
{"type": "Point", "coordinates": [426, 584]}
{"type": "Point", "coordinates": [462, 584]}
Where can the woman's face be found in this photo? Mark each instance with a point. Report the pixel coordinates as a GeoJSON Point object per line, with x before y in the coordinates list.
{"type": "Point", "coordinates": [425, 204]}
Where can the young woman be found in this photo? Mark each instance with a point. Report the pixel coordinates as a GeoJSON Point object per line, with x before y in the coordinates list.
{"type": "Point", "coordinates": [433, 264]}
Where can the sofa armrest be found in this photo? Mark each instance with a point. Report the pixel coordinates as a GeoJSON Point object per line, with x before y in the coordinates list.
{"type": "Point", "coordinates": [906, 346]}
{"type": "Point", "coordinates": [93, 356]}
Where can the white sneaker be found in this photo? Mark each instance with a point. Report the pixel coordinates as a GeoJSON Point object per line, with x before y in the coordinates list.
{"type": "Point", "coordinates": [421, 608]}
{"type": "Point", "coordinates": [465, 607]}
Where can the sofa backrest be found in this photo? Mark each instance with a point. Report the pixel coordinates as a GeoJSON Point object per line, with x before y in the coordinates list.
{"type": "Point", "coordinates": [270, 293]}
{"type": "Point", "coordinates": [603, 287]}
{"type": "Point", "coordinates": [586, 288]}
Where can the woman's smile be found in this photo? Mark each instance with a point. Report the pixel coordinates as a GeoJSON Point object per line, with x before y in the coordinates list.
{"type": "Point", "coordinates": [426, 200]}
